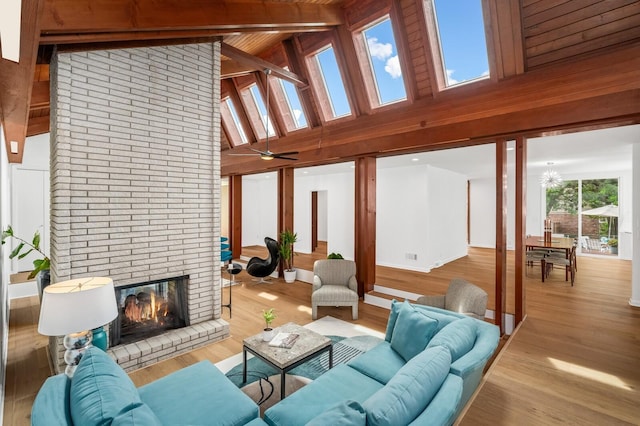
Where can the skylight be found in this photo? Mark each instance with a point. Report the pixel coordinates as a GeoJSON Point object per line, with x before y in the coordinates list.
{"type": "Point", "coordinates": [298, 118]}
{"type": "Point", "coordinates": [259, 103]}
{"type": "Point", "coordinates": [383, 59]}
{"type": "Point", "coordinates": [463, 45]}
{"type": "Point", "coordinates": [231, 121]}
{"type": "Point", "coordinates": [333, 85]}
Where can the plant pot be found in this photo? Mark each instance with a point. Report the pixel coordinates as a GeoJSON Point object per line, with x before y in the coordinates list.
{"type": "Point", "coordinates": [268, 334]}
{"type": "Point", "coordinates": [614, 250]}
{"type": "Point", "coordinates": [289, 275]}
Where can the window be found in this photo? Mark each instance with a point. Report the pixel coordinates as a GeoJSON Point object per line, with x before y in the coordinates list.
{"type": "Point", "coordinates": [232, 123]}
{"type": "Point", "coordinates": [334, 102]}
{"type": "Point", "coordinates": [385, 74]}
{"type": "Point", "coordinates": [463, 47]}
{"type": "Point", "coordinates": [293, 102]}
{"type": "Point", "coordinates": [256, 111]}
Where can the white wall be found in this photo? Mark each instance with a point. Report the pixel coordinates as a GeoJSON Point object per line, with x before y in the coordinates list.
{"type": "Point", "coordinates": [340, 196]}
{"type": "Point", "coordinates": [447, 202]}
{"type": "Point", "coordinates": [259, 208]}
{"type": "Point", "coordinates": [30, 198]}
{"type": "Point", "coordinates": [482, 221]}
{"type": "Point", "coordinates": [421, 225]}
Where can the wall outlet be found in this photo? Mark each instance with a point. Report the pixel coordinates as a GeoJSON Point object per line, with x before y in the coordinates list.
{"type": "Point", "coordinates": [411, 256]}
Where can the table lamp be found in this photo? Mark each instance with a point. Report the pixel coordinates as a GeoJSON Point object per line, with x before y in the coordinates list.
{"type": "Point", "coordinates": [73, 308]}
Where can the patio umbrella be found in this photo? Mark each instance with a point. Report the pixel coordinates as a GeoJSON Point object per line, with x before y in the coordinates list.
{"type": "Point", "coordinates": [609, 211]}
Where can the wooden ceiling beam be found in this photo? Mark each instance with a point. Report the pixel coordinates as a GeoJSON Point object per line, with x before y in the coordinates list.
{"type": "Point", "coordinates": [16, 82]}
{"type": "Point", "coordinates": [260, 64]}
{"type": "Point", "coordinates": [76, 17]}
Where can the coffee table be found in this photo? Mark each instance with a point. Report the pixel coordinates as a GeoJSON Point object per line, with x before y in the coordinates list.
{"type": "Point", "coordinates": [309, 345]}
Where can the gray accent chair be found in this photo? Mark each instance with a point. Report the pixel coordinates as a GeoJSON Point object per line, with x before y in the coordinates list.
{"type": "Point", "coordinates": [334, 284]}
{"type": "Point", "coordinates": [462, 297]}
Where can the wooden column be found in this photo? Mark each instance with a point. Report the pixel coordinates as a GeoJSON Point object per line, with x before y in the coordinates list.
{"type": "Point", "coordinates": [501, 232]}
{"type": "Point", "coordinates": [235, 215]}
{"type": "Point", "coordinates": [521, 225]}
{"type": "Point", "coordinates": [285, 199]}
{"type": "Point", "coordinates": [365, 223]}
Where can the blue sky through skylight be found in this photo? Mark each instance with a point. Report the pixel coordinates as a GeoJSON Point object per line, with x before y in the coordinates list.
{"type": "Point", "coordinates": [462, 39]}
{"type": "Point", "coordinates": [257, 97]}
{"type": "Point", "coordinates": [294, 104]}
{"type": "Point", "coordinates": [382, 50]}
{"type": "Point", "coordinates": [334, 84]}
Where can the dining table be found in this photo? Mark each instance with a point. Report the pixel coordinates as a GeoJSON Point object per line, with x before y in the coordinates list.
{"type": "Point", "coordinates": [556, 243]}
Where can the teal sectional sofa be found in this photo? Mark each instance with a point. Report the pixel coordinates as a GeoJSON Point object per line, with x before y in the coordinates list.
{"type": "Point", "coordinates": [101, 393]}
{"type": "Point", "coordinates": [423, 373]}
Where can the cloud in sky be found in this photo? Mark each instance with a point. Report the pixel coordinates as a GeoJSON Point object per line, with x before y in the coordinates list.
{"type": "Point", "coordinates": [379, 50]}
{"type": "Point", "coordinates": [450, 80]}
{"type": "Point", "coordinates": [297, 113]}
{"type": "Point", "coordinates": [393, 67]}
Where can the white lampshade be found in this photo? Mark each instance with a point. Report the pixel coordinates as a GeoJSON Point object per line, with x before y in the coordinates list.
{"type": "Point", "coordinates": [77, 305]}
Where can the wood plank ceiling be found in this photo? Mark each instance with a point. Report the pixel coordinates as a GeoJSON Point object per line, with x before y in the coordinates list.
{"type": "Point", "coordinates": [544, 56]}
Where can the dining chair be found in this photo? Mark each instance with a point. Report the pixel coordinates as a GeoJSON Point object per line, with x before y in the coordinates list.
{"type": "Point", "coordinates": [569, 263]}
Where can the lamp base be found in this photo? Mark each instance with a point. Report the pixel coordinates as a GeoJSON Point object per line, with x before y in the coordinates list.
{"type": "Point", "coordinates": [100, 338]}
{"type": "Point", "coordinates": [76, 344]}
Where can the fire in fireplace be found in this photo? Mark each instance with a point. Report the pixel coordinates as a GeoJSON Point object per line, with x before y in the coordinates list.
{"type": "Point", "coordinates": [148, 309]}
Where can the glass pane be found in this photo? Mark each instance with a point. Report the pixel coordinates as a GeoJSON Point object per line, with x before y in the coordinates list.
{"type": "Point", "coordinates": [600, 216]}
{"type": "Point", "coordinates": [462, 40]}
{"type": "Point", "coordinates": [385, 63]}
{"type": "Point", "coordinates": [257, 98]}
{"type": "Point", "coordinates": [333, 83]}
{"type": "Point", "coordinates": [293, 100]}
{"type": "Point", "coordinates": [230, 117]}
{"type": "Point", "coordinates": [562, 208]}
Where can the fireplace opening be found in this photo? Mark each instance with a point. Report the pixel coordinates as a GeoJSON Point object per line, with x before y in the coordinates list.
{"type": "Point", "coordinates": [148, 309]}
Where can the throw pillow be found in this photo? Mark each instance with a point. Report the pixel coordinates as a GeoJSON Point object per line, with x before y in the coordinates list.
{"type": "Point", "coordinates": [459, 337]}
{"type": "Point", "coordinates": [348, 413]}
{"type": "Point", "coordinates": [100, 390]}
{"type": "Point", "coordinates": [412, 332]}
{"type": "Point", "coordinates": [393, 316]}
{"type": "Point", "coordinates": [410, 391]}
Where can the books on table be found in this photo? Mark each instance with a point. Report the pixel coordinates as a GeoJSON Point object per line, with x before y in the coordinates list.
{"type": "Point", "coordinates": [284, 340]}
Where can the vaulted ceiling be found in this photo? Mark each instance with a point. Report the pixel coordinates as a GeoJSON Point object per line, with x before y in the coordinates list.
{"type": "Point", "coordinates": [554, 65]}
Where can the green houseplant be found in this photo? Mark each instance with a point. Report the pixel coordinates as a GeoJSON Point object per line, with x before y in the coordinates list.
{"type": "Point", "coordinates": [287, 240]}
{"type": "Point", "coordinates": [613, 244]}
{"type": "Point", "coordinates": [335, 256]}
{"type": "Point", "coordinates": [25, 247]}
{"type": "Point", "coordinates": [268, 315]}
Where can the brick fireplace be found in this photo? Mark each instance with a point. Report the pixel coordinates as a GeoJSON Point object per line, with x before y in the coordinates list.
{"type": "Point", "coordinates": [135, 181]}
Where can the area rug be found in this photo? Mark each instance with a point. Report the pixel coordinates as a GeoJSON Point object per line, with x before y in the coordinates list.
{"type": "Point", "coordinates": [344, 349]}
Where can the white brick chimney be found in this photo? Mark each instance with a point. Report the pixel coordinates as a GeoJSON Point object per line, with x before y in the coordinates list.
{"type": "Point", "coordinates": [135, 179]}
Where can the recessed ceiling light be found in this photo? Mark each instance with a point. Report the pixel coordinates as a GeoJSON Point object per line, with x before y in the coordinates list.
{"type": "Point", "coordinates": [415, 159]}
{"type": "Point", "coordinates": [510, 148]}
{"type": "Point", "coordinates": [305, 172]}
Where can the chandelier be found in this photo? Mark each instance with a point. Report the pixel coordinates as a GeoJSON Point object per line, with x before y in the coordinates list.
{"type": "Point", "coordinates": [550, 178]}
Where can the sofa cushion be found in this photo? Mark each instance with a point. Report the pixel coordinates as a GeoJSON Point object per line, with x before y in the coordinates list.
{"type": "Point", "coordinates": [100, 390]}
{"type": "Point", "coordinates": [347, 413]}
{"type": "Point", "coordinates": [380, 362]}
{"type": "Point", "coordinates": [141, 415]}
{"type": "Point", "coordinates": [458, 336]}
{"type": "Point", "coordinates": [412, 332]}
{"type": "Point", "coordinates": [393, 316]}
{"type": "Point", "coordinates": [410, 390]}
{"type": "Point", "coordinates": [337, 385]}
{"type": "Point", "coordinates": [209, 395]}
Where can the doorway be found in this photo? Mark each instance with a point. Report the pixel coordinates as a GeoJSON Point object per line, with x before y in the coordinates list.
{"type": "Point", "coordinates": [319, 222]}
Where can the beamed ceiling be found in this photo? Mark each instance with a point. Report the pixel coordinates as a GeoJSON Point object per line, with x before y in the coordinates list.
{"type": "Point", "coordinates": [555, 66]}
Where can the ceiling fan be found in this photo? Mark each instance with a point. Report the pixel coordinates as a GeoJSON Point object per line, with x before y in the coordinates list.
{"type": "Point", "coordinates": [267, 154]}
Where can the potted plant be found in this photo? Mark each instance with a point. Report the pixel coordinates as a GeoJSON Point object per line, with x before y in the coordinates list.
{"type": "Point", "coordinates": [613, 245]}
{"type": "Point", "coordinates": [287, 240]}
{"type": "Point", "coordinates": [40, 266]}
{"type": "Point", "coordinates": [269, 315]}
{"type": "Point", "coordinates": [335, 256]}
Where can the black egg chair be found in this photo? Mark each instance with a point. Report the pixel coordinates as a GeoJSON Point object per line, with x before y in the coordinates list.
{"type": "Point", "coordinates": [261, 268]}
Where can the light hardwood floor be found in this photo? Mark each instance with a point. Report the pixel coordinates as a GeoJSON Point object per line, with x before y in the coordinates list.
{"type": "Point", "coordinates": [575, 359]}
